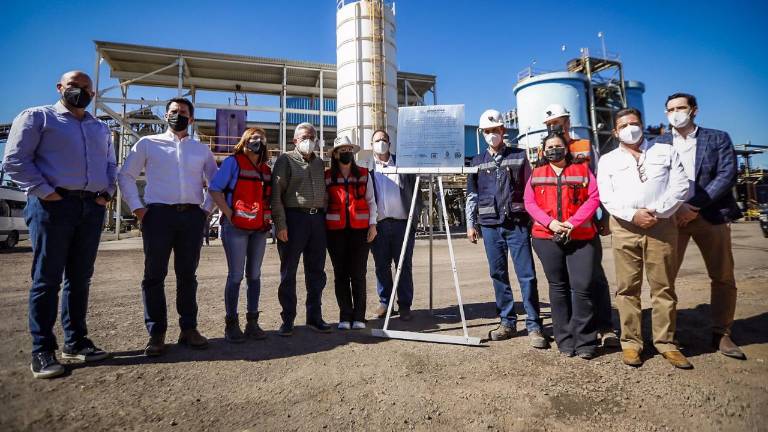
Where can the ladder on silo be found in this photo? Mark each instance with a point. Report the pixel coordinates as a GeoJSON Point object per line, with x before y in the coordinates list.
{"type": "Point", "coordinates": [378, 66]}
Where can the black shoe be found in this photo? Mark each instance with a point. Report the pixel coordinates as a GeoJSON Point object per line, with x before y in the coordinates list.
{"type": "Point", "coordinates": [286, 329]}
{"type": "Point", "coordinates": [586, 355]}
{"type": "Point", "coordinates": [84, 350]}
{"type": "Point", "coordinates": [45, 365]}
{"type": "Point", "coordinates": [319, 326]}
{"type": "Point", "coordinates": [155, 346]}
{"type": "Point", "coordinates": [252, 329]}
{"type": "Point", "coordinates": [405, 314]}
{"type": "Point", "coordinates": [232, 332]}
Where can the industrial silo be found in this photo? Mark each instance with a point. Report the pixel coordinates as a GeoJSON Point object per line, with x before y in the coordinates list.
{"type": "Point", "coordinates": [635, 90]}
{"type": "Point", "coordinates": [534, 94]}
{"type": "Point", "coordinates": [366, 66]}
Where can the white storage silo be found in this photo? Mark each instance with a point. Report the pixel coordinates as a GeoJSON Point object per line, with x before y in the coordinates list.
{"type": "Point", "coordinates": [534, 94]}
{"type": "Point", "coordinates": [366, 70]}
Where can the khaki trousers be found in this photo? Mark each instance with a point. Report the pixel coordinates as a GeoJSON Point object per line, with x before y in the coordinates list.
{"type": "Point", "coordinates": [714, 242]}
{"type": "Point", "coordinates": [654, 249]}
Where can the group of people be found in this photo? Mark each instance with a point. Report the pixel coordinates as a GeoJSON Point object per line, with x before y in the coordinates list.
{"type": "Point", "coordinates": [64, 159]}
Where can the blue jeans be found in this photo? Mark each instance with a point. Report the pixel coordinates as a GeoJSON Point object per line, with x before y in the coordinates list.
{"type": "Point", "coordinates": [514, 239]}
{"type": "Point", "coordinates": [244, 249]}
{"type": "Point", "coordinates": [165, 229]}
{"type": "Point", "coordinates": [386, 249]}
{"type": "Point", "coordinates": [65, 237]}
{"type": "Point", "coordinates": [306, 236]}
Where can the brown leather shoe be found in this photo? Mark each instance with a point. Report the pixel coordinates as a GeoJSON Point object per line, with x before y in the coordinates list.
{"type": "Point", "coordinates": [727, 347]}
{"type": "Point", "coordinates": [193, 339]}
{"type": "Point", "coordinates": [677, 359]}
{"type": "Point", "coordinates": [381, 311]}
{"type": "Point", "coordinates": [156, 345]}
{"type": "Point", "coordinates": [631, 357]}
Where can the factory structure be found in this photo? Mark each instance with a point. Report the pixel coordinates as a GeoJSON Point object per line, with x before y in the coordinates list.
{"type": "Point", "coordinates": [359, 94]}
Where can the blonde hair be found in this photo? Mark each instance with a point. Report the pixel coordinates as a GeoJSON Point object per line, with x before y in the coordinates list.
{"type": "Point", "coordinates": [247, 135]}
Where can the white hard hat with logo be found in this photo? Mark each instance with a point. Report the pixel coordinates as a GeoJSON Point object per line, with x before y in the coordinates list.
{"type": "Point", "coordinates": [490, 119]}
{"type": "Point", "coordinates": [555, 111]}
{"type": "Point", "coordinates": [343, 141]}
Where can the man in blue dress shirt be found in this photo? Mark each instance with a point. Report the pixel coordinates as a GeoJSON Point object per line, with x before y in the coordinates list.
{"type": "Point", "coordinates": [64, 159]}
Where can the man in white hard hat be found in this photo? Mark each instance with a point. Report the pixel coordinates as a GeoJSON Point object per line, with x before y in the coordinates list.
{"type": "Point", "coordinates": [558, 117]}
{"type": "Point", "coordinates": [495, 204]}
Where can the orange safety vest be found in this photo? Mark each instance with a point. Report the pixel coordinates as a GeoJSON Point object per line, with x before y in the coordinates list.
{"type": "Point", "coordinates": [560, 197]}
{"type": "Point", "coordinates": [580, 150]}
{"type": "Point", "coordinates": [251, 196]}
{"type": "Point", "coordinates": [346, 201]}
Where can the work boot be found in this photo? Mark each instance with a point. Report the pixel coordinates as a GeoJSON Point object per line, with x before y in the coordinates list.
{"type": "Point", "coordinates": [631, 357]}
{"type": "Point", "coordinates": [537, 339]}
{"type": "Point", "coordinates": [502, 332]}
{"type": "Point", "coordinates": [232, 332]}
{"type": "Point", "coordinates": [677, 359]}
{"type": "Point", "coordinates": [286, 329]}
{"type": "Point", "coordinates": [609, 339]}
{"type": "Point", "coordinates": [252, 329]}
{"type": "Point", "coordinates": [156, 345]}
{"type": "Point", "coordinates": [192, 339]}
{"type": "Point", "coordinates": [727, 347]}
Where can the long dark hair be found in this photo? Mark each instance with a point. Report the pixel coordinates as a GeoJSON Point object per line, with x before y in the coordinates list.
{"type": "Point", "coordinates": [554, 134]}
{"type": "Point", "coordinates": [336, 169]}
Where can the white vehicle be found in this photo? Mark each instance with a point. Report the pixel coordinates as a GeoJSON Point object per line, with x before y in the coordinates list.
{"type": "Point", "coordinates": [12, 226]}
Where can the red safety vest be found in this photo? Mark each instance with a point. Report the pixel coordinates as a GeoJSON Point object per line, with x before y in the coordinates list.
{"type": "Point", "coordinates": [252, 194]}
{"type": "Point", "coordinates": [561, 196]}
{"type": "Point", "coordinates": [346, 201]}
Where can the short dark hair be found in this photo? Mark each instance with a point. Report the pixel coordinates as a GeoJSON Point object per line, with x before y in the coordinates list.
{"type": "Point", "coordinates": [181, 101]}
{"type": "Point", "coordinates": [625, 112]}
{"type": "Point", "coordinates": [689, 97]}
{"type": "Point", "coordinates": [556, 133]}
{"type": "Point", "coordinates": [382, 131]}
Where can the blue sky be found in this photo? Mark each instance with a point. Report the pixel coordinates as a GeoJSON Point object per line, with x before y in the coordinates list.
{"type": "Point", "coordinates": [715, 50]}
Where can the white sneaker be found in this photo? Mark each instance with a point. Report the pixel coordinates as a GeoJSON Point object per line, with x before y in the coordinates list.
{"type": "Point", "coordinates": [358, 325]}
{"type": "Point", "coordinates": [345, 325]}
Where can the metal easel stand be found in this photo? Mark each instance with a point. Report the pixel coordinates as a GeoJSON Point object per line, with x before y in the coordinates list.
{"type": "Point", "coordinates": [384, 332]}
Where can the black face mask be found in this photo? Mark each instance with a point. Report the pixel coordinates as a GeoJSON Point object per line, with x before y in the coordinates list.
{"type": "Point", "coordinates": [254, 146]}
{"type": "Point", "coordinates": [76, 97]}
{"type": "Point", "coordinates": [555, 154]}
{"type": "Point", "coordinates": [178, 122]}
{"type": "Point", "coordinates": [346, 157]}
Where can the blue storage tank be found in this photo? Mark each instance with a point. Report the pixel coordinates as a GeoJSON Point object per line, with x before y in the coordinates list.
{"type": "Point", "coordinates": [311, 104]}
{"type": "Point", "coordinates": [635, 90]}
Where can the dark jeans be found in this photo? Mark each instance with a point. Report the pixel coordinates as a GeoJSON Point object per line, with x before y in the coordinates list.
{"type": "Point", "coordinates": [165, 229]}
{"type": "Point", "coordinates": [244, 249]}
{"type": "Point", "coordinates": [569, 292]}
{"type": "Point", "coordinates": [514, 239]}
{"type": "Point", "coordinates": [348, 249]}
{"type": "Point", "coordinates": [601, 291]}
{"type": "Point", "coordinates": [386, 251]}
{"type": "Point", "coordinates": [306, 236]}
{"type": "Point", "coordinates": [65, 238]}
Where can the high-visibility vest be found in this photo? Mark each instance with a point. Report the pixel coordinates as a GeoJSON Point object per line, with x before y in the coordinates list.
{"type": "Point", "coordinates": [251, 209]}
{"type": "Point", "coordinates": [347, 205]}
{"type": "Point", "coordinates": [560, 196]}
{"type": "Point", "coordinates": [580, 149]}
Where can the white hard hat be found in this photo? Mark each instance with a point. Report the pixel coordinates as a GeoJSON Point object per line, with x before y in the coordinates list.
{"type": "Point", "coordinates": [343, 141]}
{"type": "Point", "coordinates": [555, 111]}
{"type": "Point", "coordinates": [490, 119]}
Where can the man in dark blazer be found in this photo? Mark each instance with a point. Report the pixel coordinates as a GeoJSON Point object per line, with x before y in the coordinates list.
{"type": "Point", "coordinates": [709, 160]}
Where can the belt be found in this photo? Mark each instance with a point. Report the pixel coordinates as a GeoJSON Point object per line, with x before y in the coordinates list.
{"type": "Point", "coordinates": [177, 207]}
{"type": "Point", "coordinates": [391, 219]}
{"type": "Point", "coordinates": [312, 210]}
{"type": "Point", "coordinates": [76, 193]}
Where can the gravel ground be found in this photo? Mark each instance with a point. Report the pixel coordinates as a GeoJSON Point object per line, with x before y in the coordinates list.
{"type": "Point", "coordinates": [352, 381]}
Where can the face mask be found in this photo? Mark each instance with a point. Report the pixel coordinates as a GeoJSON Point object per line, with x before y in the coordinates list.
{"type": "Point", "coordinates": [555, 154]}
{"type": "Point", "coordinates": [346, 157]}
{"type": "Point", "coordinates": [679, 119]}
{"type": "Point", "coordinates": [255, 145]}
{"type": "Point", "coordinates": [380, 147]}
{"type": "Point", "coordinates": [493, 139]}
{"type": "Point", "coordinates": [306, 146]}
{"type": "Point", "coordinates": [76, 97]}
{"type": "Point", "coordinates": [178, 122]}
{"type": "Point", "coordinates": [631, 134]}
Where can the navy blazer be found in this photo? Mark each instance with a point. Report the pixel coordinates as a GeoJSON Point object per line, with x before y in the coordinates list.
{"type": "Point", "coordinates": [716, 171]}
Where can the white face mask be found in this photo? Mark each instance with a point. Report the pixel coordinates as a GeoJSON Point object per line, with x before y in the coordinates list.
{"type": "Point", "coordinates": [631, 134]}
{"type": "Point", "coordinates": [493, 139]}
{"type": "Point", "coordinates": [380, 147]}
{"type": "Point", "coordinates": [679, 119]}
{"type": "Point", "coordinates": [306, 146]}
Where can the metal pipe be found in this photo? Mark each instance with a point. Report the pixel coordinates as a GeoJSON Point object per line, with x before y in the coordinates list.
{"type": "Point", "coordinates": [283, 124]}
{"type": "Point", "coordinates": [181, 75]}
{"type": "Point", "coordinates": [96, 83]}
{"type": "Point", "coordinates": [431, 237]}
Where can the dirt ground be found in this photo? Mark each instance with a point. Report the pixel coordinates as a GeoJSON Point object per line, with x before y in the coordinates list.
{"type": "Point", "coordinates": [352, 381]}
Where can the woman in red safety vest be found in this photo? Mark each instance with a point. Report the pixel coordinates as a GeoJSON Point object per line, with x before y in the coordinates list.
{"type": "Point", "coordinates": [350, 220]}
{"type": "Point", "coordinates": [242, 190]}
{"type": "Point", "coordinates": [561, 198]}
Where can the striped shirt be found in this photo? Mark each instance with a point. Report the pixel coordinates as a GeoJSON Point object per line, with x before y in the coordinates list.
{"type": "Point", "coordinates": [296, 182]}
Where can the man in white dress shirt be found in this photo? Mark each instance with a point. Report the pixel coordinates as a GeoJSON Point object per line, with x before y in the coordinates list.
{"type": "Point", "coordinates": [172, 217]}
{"type": "Point", "coordinates": [642, 184]}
